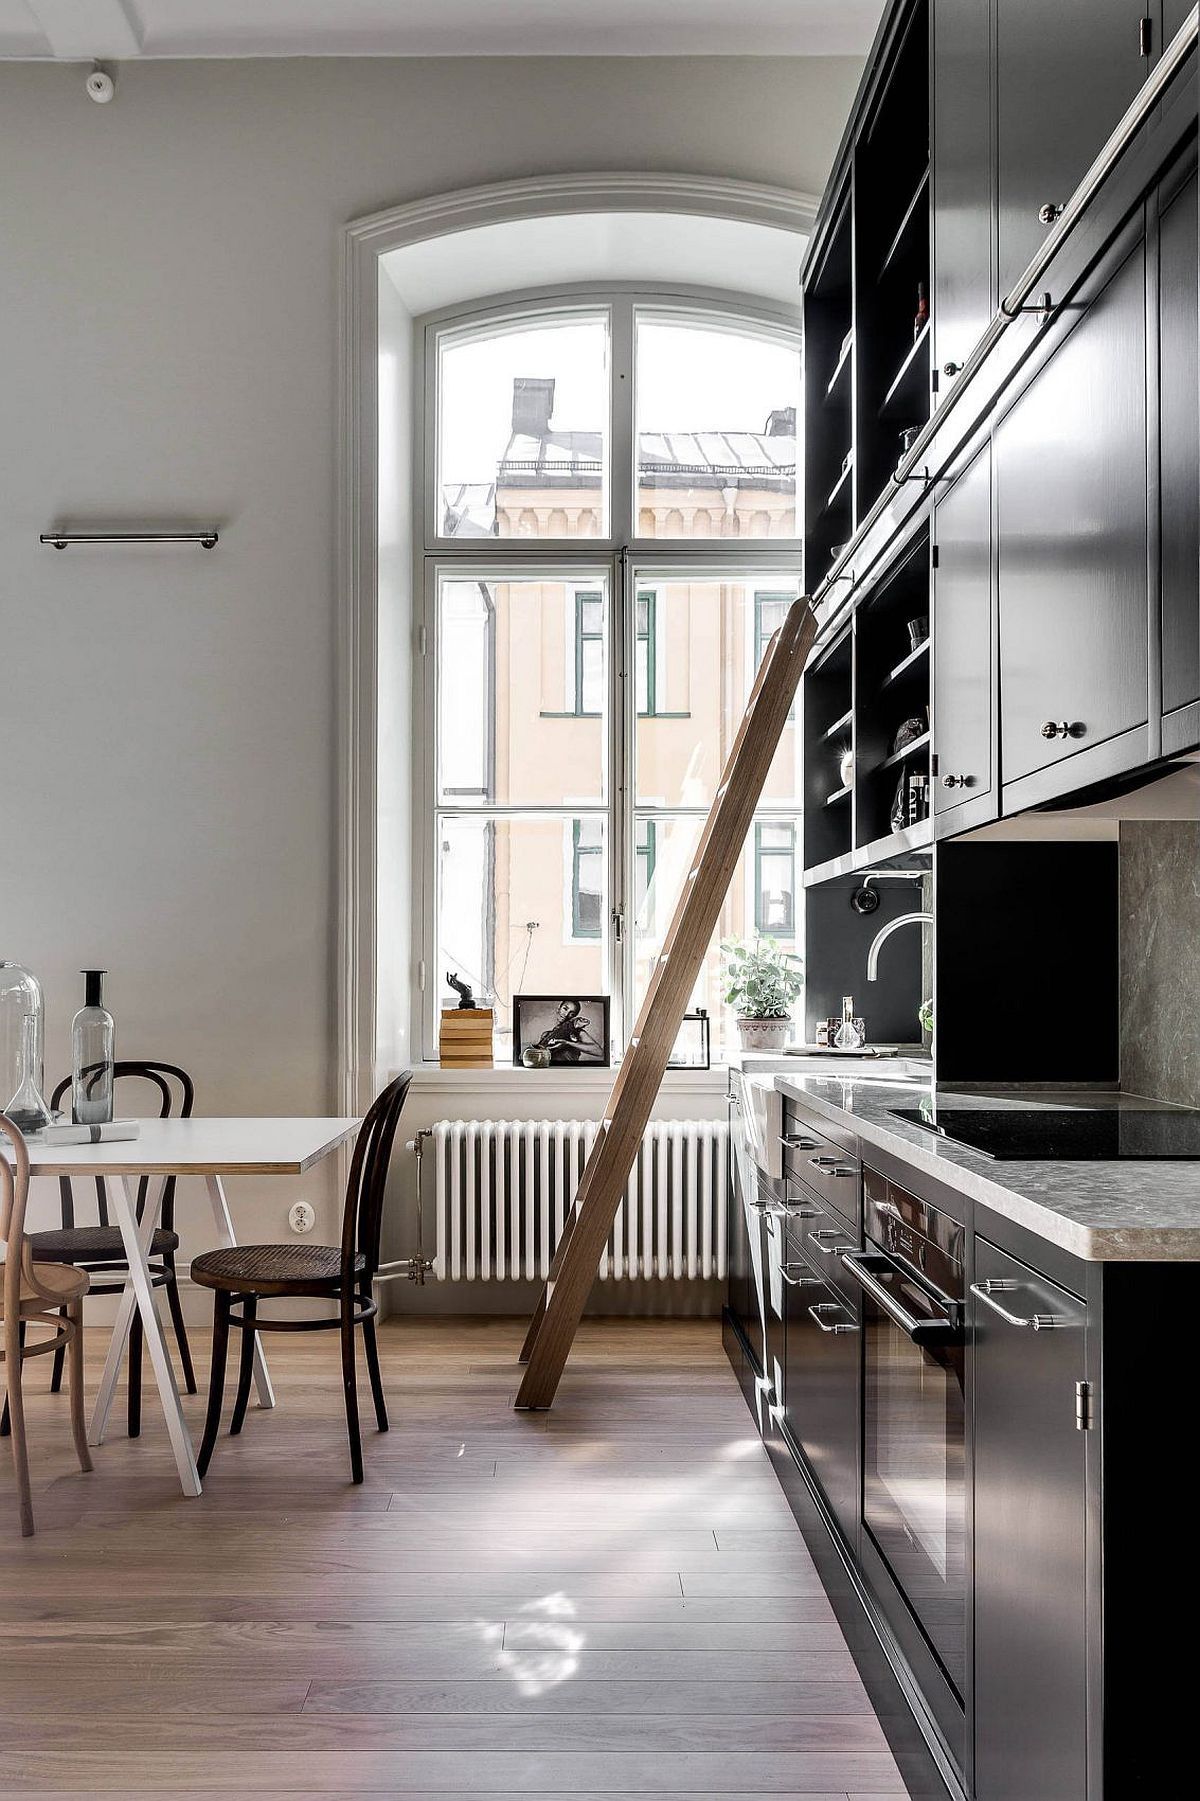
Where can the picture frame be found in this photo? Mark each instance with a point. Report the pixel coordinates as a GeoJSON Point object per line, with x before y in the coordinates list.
{"type": "Point", "coordinates": [561, 1031]}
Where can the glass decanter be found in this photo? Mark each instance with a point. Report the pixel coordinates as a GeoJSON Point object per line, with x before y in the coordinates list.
{"type": "Point", "coordinates": [21, 1014]}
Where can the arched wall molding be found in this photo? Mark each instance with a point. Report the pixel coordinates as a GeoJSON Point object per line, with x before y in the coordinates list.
{"type": "Point", "coordinates": [363, 242]}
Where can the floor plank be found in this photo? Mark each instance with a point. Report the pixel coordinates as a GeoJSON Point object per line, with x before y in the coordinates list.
{"type": "Point", "coordinates": [607, 1600]}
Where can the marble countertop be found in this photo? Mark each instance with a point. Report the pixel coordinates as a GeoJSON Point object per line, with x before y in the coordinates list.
{"type": "Point", "coordinates": [1101, 1212]}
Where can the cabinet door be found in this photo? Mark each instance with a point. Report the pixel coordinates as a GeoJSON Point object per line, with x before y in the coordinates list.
{"type": "Point", "coordinates": [962, 181]}
{"type": "Point", "coordinates": [739, 1223]}
{"type": "Point", "coordinates": [1070, 470]}
{"type": "Point", "coordinates": [1180, 440]}
{"type": "Point", "coordinates": [823, 1376]}
{"type": "Point", "coordinates": [962, 639]}
{"type": "Point", "coordinates": [1064, 75]}
{"type": "Point", "coordinates": [1030, 1680]}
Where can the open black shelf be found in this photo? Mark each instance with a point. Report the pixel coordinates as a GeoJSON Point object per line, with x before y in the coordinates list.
{"type": "Point", "coordinates": [903, 756]}
{"type": "Point", "coordinates": [839, 725]}
{"type": "Point", "coordinates": [837, 387]}
{"type": "Point", "coordinates": [907, 666]}
{"type": "Point", "coordinates": [907, 399]}
{"type": "Point", "coordinates": [913, 230]}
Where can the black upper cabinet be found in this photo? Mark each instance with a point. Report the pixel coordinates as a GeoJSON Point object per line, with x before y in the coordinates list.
{"type": "Point", "coordinates": [962, 649]}
{"type": "Point", "coordinates": [1174, 13]}
{"type": "Point", "coordinates": [1071, 517]}
{"type": "Point", "coordinates": [962, 182]}
{"type": "Point", "coordinates": [1064, 75]}
{"type": "Point", "coordinates": [1179, 437]}
{"type": "Point", "coordinates": [1030, 1532]}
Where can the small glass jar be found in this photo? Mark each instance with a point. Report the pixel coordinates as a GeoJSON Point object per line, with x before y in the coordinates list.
{"type": "Point", "coordinates": [21, 1025]}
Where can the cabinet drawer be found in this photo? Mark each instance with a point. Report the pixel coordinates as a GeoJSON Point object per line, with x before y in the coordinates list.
{"type": "Point", "coordinates": [823, 1166]}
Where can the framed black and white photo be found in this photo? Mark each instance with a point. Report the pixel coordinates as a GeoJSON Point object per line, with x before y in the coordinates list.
{"type": "Point", "coordinates": [560, 1031]}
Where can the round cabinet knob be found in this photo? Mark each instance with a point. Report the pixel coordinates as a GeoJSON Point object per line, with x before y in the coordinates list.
{"type": "Point", "coordinates": [1063, 728]}
{"type": "Point", "coordinates": [950, 369]}
{"type": "Point", "coordinates": [958, 781]}
{"type": "Point", "coordinates": [1052, 210]}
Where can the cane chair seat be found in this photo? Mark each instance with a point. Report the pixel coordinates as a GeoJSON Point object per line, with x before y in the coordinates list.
{"type": "Point", "coordinates": [262, 1268]}
{"type": "Point", "coordinates": [94, 1244]}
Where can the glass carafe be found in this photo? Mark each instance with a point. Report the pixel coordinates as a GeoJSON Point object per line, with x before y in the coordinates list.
{"type": "Point", "coordinates": [21, 1013]}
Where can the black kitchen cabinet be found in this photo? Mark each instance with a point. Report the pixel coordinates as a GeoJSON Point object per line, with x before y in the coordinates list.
{"type": "Point", "coordinates": [963, 281]}
{"type": "Point", "coordinates": [822, 1358]}
{"type": "Point", "coordinates": [1065, 73]}
{"type": "Point", "coordinates": [1070, 465]}
{"type": "Point", "coordinates": [1179, 436]}
{"type": "Point", "coordinates": [1030, 1519]}
{"type": "Point", "coordinates": [963, 665]}
{"type": "Point", "coordinates": [743, 1243]}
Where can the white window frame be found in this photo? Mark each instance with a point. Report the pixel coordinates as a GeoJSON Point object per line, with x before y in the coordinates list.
{"type": "Point", "coordinates": [626, 561]}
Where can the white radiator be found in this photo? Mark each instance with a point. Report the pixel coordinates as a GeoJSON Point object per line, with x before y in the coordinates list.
{"type": "Point", "coordinates": [504, 1186]}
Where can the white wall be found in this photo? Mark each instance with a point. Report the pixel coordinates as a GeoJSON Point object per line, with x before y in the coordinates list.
{"type": "Point", "coordinates": [167, 316]}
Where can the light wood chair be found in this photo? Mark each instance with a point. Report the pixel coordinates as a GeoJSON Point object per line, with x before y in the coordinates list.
{"type": "Point", "coordinates": [34, 1294]}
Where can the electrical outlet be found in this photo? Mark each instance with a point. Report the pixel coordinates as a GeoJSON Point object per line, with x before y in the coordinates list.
{"type": "Point", "coordinates": [302, 1218]}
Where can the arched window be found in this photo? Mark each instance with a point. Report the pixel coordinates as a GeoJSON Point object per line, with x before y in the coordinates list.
{"type": "Point", "coordinates": [608, 490]}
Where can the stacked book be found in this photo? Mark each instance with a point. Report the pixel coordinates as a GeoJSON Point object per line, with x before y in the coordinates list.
{"type": "Point", "coordinates": [466, 1038]}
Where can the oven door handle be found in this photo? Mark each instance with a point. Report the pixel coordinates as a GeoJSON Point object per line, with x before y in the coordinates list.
{"type": "Point", "coordinates": [921, 1331]}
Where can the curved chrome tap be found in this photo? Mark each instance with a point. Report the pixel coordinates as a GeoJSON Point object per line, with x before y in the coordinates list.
{"type": "Point", "coordinates": [893, 925]}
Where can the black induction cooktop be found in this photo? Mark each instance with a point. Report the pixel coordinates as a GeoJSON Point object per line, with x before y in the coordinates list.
{"type": "Point", "coordinates": [1076, 1134]}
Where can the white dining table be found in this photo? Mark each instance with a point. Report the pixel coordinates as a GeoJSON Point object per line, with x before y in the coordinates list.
{"type": "Point", "coordinates": [211, 1149]}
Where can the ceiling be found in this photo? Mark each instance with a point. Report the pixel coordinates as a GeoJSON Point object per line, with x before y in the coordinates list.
{"type": "Point", "coordinates": [118, 29]}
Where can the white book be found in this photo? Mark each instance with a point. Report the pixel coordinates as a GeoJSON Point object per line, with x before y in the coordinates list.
{"type": "Point", "coordinates": [112, 1132]}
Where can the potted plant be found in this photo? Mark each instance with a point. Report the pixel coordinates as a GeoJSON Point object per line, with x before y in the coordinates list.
{"type": "Point", "coordinates": [762, 980]}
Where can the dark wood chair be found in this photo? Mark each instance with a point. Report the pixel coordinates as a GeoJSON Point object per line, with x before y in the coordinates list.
{"type": "Point", "coordinates": [100, 1249]}
{"type": "Point", "coordinates": [242, 1275]}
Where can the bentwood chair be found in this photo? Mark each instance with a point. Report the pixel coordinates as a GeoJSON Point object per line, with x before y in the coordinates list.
{"type": "Point", "coordinates": [242, 1275]}
{"type": "Point", "coordinates": [34, 1294]}
{"type": "Point", "coordinates": [100, 1249]}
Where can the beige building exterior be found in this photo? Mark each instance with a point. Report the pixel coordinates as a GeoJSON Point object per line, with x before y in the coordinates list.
{"type": "Point", "coordinates": [538, 652]}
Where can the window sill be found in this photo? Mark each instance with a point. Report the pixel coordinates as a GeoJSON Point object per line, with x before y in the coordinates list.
{"type": "Point", "coordinates": [658, 713]}
{"type": "Point", "coordinates": [430, 1078]}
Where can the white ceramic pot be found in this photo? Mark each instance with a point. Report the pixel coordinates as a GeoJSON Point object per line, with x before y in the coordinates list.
{"type": "Point", "coordinates": [763, 1034]}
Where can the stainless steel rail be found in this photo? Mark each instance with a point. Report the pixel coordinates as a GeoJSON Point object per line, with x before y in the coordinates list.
{"type": "Point", "coordinates": [60, 540]}
{"type": "Point", "coordinates": [1147, 98]}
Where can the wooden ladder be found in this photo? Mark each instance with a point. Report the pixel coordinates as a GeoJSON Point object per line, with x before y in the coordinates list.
{"type": "Point", "coordinates": [576, 1260]}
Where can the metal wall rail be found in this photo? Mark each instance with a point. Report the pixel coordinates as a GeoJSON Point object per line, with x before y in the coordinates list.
{"type": "Point", "coordinates": [60, 540]}
{"type": "Point", "coordinates": [1149, 95]}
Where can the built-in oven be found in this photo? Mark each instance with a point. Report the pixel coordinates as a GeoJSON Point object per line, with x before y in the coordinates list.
{"type": "Point", "coordinates": [910, 1275]}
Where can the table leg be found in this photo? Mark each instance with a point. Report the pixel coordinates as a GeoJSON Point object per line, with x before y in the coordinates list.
{"type": "Point", "coordinates": [119, 1341]}
{"type": "Point", "coordinates": [224, 1225]}
{"type": "Point", "coordinates": [137, 1244]}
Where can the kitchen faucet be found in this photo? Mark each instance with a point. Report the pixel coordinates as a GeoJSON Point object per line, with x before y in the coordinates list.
{"type": "Point", "coordinates": [893, 925]}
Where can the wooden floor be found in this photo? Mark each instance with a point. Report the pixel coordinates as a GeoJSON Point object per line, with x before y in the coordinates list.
{"type": "Point", "coordinates": [610, 1599]}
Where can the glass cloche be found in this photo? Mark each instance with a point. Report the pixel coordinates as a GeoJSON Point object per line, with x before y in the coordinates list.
{"type": "Point", "coordinates": [21, 1014]}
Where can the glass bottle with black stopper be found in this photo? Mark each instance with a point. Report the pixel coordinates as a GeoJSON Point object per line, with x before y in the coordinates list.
{"type": "Point", "coordinates": [93, 1039]}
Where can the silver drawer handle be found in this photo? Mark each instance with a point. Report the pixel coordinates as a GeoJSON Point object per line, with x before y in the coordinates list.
{"type": "Point", "coordinates": [1040, 1322]}
{"type": "Point", "coordinates": [809, 1277]}
{"type": "Point", "coordinates": [829, 1250]}
{"type": "Point", "coordinates": [832, 1166]}
{"type": "Point", "coordinates": [798, 1144]}
{"type": "Point", "coordinates": [773, 1210]}
{"type": "Point", "coordinates": [1064, 728]}
{"type": "Point", "coordinates": [830, 1307]}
